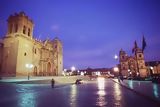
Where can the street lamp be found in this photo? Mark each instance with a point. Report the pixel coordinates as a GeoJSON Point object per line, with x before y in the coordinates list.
{"type": "Point", "coordinates": [116, 69]}
{"type": "Point", "coordinates": [115, 57]}
{"type": "Point", "coordinates": [73, 68]}
{"type": "Point", "coordinates": [29, 66]}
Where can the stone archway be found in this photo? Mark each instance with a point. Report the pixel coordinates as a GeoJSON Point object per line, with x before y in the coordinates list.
{"type": "Point", "coordinates": [48, 68]}
{"type": "Point", "coordinates": [35, 71]}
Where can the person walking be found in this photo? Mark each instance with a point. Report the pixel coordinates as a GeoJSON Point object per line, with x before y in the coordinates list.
{"type": "Point", "coordinates": [52, 83]}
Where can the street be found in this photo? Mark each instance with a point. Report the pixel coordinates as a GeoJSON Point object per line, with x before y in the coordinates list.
{"type": "Point", "coordinates": [101, 93]}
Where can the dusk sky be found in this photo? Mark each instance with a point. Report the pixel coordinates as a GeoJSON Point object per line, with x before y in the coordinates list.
{"type": "Point", "coordinates": [92, 31]}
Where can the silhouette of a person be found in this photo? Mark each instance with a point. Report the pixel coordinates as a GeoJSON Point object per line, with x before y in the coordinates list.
{"type": "Point", "coordinates": [52, 83]}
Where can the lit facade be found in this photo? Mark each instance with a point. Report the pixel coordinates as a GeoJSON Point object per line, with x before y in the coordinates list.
{"type": "Point", "coordinates": [153, 67]}
{"type": "Point", "coordinates": [132, 66]}
{"type": "Point", "coordinates": [19, 48]}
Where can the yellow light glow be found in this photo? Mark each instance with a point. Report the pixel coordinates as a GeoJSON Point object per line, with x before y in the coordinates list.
{"type": "Point", "coordinates": [101, 101]}
{"type": "Point", "coordinates": [101, 83]}
{"type": "Point", "coordinates": [117, 94]}
{"type": "Point", "coordinates": [116, 69]}
{"type": "Point", "coordinates": [73, 68]}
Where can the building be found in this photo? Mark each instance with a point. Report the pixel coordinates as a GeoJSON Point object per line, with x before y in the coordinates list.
{"type": "Point", "coordinates": [21, 53]}
{"type": "Point", "coordinates": [132, 66]}
{"type": "Point", "coordinates": [153, 67]}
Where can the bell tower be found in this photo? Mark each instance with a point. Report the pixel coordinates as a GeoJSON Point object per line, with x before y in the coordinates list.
{"type": "Point", "coordinates": [140, 62]}
{"type": "Point", "coordinates": [123, 63]}
{"type": "Point", "coordinates": [58, 55]}
{"type": "Point", "coordinates": [21, 24]}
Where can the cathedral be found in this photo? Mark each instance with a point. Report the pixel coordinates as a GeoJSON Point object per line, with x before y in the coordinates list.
{"type": "Point", "coordinates": [132, 66]}
{"type": "Point", "coordinates": [21, 53]}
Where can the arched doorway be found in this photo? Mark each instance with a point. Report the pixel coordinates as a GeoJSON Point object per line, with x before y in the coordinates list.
{"type": "Point", "coordinates": [49, 68]}
{"type": "Point", "coordinates": [35, 71]}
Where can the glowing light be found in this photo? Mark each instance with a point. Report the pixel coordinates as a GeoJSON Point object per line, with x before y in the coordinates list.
{"type": "Point", "coordinates": [137, 73]}
{"type": "Point", "coordinates": [101, 93]}
{"type": "Point", "coordinates": [82, 73]}
{"type": "Point", "coordinates": [101, 82]}
{"type": "Point", "coordinates": [29, 65]}
{"type": "Point", "coordinates": [115, 56]}
{"type": "Point", "coordinates": [73, 68]}
{"type": "Point", "coordinates": [98, 73]}
{"type": "Point", "coordinates": [65, 70]}
{"type": "Point", "coordinates": [151, 68]}
{"type": "Point", "coordinates": [116, 69]}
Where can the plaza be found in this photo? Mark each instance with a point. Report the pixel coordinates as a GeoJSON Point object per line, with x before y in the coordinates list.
{"type": "Point", "coordinates": [98, 92]}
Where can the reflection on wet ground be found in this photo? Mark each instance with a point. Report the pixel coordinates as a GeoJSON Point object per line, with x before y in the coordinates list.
{"type": "Point", "coordinates": [98, 93]}
{"type": "Point", "coordinates": [145, 87]}
{"type": "Point", "coordinates": [101, 101]}
{"type": "Point", "coordinates": [117, 94]}
{"type": "Point", "coordinates": [73, 96]}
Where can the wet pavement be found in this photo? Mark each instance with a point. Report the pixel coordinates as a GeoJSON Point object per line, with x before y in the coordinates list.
{"type": "Point", "coordinates": [146, 88]}
{"type": "Point", "coordinates": [101, 93]}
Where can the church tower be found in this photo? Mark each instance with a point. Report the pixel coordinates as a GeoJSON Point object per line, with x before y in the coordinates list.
{"type": "Point", "coordinates": [58, 54]}
{"type": "Point", "coordinates": [21, 24]}
{"type": "Point", "coordinates": [22, 55]}
{"type": "Point", "coordinates": [141, 68]}
{"type": "Point", "coordinates": [17, 45]}
{"type": "Point", "coordinates": [123, 63]}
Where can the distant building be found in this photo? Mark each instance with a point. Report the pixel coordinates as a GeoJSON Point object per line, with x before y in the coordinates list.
{"type": "Point", "coordinates": [19, 50]}
{"type": "Point", "coordinates": [132, 65]}
{"type": "Point", "coordinates": [97, 71]}
{"type": "Point", "coordinates": [153, 67]}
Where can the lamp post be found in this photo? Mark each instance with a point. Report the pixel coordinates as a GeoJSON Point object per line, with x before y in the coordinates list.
{"type": "Point", "coordinates": [115, 57]}
{"type": "Point", "coordinates": [29, 66]}
{"type": "Point", "coordinates": [117, 68]}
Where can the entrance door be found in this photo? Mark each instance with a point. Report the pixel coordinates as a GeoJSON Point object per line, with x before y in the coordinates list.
{"type": "Point", "coordinates": [49, 68]}
{"type": "Point", "coordinates": [35, 71]}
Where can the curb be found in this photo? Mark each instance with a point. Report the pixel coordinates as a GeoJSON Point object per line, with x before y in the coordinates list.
{"type": "Point", "coordinates": [138, 93]}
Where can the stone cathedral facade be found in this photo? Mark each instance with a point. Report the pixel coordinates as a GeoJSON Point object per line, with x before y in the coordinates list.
{"type": "Point", "coordinates": [132, 66]}
{"type": "Point", "coordinates": [18, 50]}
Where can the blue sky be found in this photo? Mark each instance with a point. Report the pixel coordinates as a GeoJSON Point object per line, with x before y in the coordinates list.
{"type": "Point", "coordinates": [92, 31]}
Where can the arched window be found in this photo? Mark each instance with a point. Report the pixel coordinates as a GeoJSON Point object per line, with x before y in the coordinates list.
{"type": "Point", "coordinates": [24, 29]}
{"type": "Point", "coordinates": [140, 55]}
{"type": "Point", "coordinates": [35, 50]}
{"type": "Point", "coordinates": [16, 28]}
{"type": "Point", "coordinates": [25, 54]}
{"type": "Point", "coordinates": [11, 27]}
{"type": "Point", "coordinates": [29, 31]}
